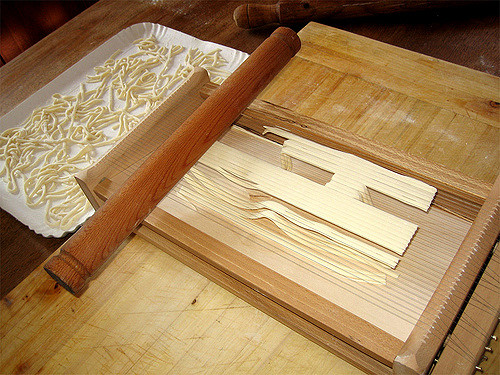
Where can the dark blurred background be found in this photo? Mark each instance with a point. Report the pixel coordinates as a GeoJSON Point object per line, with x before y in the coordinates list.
{"type": "Point", "coordinates": [23, 23]}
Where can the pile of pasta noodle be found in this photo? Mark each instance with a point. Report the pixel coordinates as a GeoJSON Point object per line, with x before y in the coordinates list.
{"type": "Point", "coordinates": [41, 156]}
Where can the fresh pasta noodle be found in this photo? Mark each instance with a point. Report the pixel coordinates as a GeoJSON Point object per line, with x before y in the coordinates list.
{"type": "Point", "coordinates": [40, 157]}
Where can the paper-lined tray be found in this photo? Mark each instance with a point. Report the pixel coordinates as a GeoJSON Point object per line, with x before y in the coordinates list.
{"type": "Point", "coordinates": [68, 83]}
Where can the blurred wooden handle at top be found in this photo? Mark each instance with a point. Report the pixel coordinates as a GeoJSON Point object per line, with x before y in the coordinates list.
{"type": "Point", "coordinates": [248, 16]}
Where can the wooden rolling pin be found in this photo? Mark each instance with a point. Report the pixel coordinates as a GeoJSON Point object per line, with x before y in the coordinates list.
{"type": "Point", "coordinates": [285, 12]}
{"type": "Point", "coordinates": [89, 248]}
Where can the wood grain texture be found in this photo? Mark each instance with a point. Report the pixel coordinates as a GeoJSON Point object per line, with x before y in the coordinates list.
{"type": "Point", "coordinates": [302, 125]}
{"type": "Point", "coordinates": [224, 260]}
{"type": "Point", "coordinates": [148, 313]}
{"type": "Point", "coordinates": [19, 256]}
{"type": "Point", "coordinates": [347, 327]}
{"type": "Point", "coordinates": [163, 228]}
{"type": "Point", "coordinates": [267, 305]}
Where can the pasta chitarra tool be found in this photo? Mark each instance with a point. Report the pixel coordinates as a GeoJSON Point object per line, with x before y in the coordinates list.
{"type": "Point", "coordinates": [88, 249]}
{"type": "Point", "coordinates": [281, 209]}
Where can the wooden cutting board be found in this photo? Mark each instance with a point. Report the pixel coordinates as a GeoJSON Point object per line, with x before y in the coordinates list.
{"type": "Point", "coordinates": [147, 312]}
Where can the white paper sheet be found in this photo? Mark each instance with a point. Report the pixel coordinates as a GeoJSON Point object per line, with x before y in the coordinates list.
{"type": "Point", "coordinates": [69, 82]}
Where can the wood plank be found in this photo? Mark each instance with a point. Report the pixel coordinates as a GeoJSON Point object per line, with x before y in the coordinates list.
{"type": "Point", "coordinates": [467, 92]}
{"type": "Point", "coordinates": [191, 244]}
{"type": "Point", "coordinates": [194, 239]}
{"type": "Point", "coordinates": [417, 104]}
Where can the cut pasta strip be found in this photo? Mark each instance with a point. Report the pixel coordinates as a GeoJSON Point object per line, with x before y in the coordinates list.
{"type": "Point", "coordinates": [352, 175]}
{"type": "Point", "coordinates": [197, 198]}
{"type": "Point", "coordinates": [357, 217]}
{"type": "Point", "coordinates": [347, 243]}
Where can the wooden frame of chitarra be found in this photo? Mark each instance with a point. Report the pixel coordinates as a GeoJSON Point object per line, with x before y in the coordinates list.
{"type": "Point", "coordinates": [325, 323]}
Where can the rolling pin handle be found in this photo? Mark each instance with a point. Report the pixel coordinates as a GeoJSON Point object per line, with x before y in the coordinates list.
{"type": "Point", "coordinates": [248, 16]}
{"type": "Point", "coordinates": [68, 271]}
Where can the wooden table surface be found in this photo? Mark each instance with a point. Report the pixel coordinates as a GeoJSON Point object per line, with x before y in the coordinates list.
{"type": "Point", "coordinates": [467, 37]}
